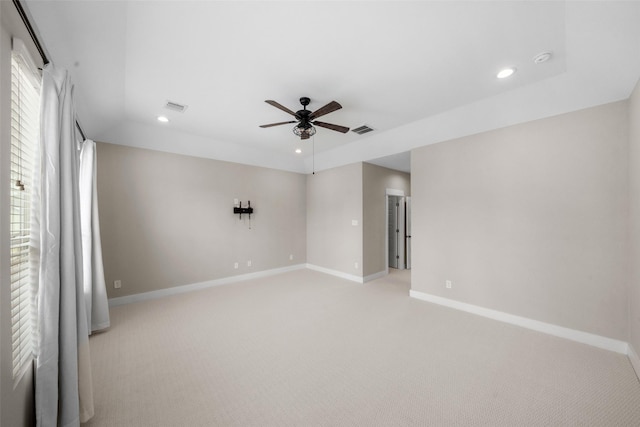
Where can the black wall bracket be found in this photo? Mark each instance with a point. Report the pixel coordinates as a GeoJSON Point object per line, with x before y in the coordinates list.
{"type": "Point", "coordinates": [240, 210]}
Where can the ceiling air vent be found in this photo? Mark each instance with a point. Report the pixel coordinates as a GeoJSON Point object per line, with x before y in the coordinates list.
{"type": "Point", "coordinates": [362, 129]}
{"type": "Point", "coordinates": [174, 106]}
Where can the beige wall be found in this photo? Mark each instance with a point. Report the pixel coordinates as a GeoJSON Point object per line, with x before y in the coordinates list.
{"type": "Point", "coordinates": [167, 220]}
{"type": "Point", "coordinates": [529, 220]}
{"type": "Point", "coordinates": [634, 217]}
{"type": "Point", "coordinates": [16, 398]}
{"type": "Point", "coordinates": [376, 180]}
{"type": "Point", "coordinates": [334, 199]}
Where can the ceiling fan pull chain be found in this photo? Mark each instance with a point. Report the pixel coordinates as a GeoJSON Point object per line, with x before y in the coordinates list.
{"type": "Point", "coordinates": [313, 145]}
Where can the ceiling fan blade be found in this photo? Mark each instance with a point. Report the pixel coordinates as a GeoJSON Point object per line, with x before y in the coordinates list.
{"type": "Point", "coordinates": [281, 107]}
{"type": "Point", "coordinates": [330, 107]}
{"type": "Point", "coordinates": [277, 124]}
{"type": "Point", "coordinates": [332, 126]}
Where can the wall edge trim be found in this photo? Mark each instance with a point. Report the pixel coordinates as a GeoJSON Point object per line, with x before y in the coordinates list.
{"type": "Point", "coordinates": [176, 290]}
{"type": "Point", "coordinates": [336, 273]}
{"type": "Point", "coordinates": [375, 276]}
{"type": "Point", "coordinates": [536, 325]}
{"type": "Point", "coordinates": [635, 360]}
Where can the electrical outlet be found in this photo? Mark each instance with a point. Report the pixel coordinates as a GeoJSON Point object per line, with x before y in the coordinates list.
{"type": "Point", "coordinates": [117, 284]}
{"type": "Point", "coordinates": [249, 263]}
{"type": "Point", "coordinates": [291, 257]}
{"type": "Point", "coordinates": [235, 265]}
{"type": "Point", "coordinates": [448, 284]}
{"type": "Point", "coordinates": [355, 265]}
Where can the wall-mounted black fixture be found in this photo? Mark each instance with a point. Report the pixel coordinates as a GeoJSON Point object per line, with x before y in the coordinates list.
{"type": "Point", "coordinates": [240, 210]}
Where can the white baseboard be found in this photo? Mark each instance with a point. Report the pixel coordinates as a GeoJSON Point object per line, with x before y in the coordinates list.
{"type": "Point", "coordinates": [198, 286]}
{"type": "Point", "coordinates": [635, 361]}
{"type": "Point", "coordinates": [375, 276]}
{"type": "Point", "coordinates": [547, 328]}
{"type": "Point", "coordinates": [336, 273]}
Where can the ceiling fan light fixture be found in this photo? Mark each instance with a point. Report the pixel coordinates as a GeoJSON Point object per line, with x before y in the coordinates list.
{"type": "Point", "coordinates": [304, 131]}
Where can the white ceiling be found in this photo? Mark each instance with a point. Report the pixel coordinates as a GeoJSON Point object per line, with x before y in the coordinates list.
{"type": "Point", "coordinates": [417, 72]}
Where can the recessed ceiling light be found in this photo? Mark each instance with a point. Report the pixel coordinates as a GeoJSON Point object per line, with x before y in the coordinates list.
{"type": "Point", "coordinates": [163, 119]}
{"type": "Point", "coordinates": [503, 74]}
{"type": "Point", "coordinates": [298, 151]}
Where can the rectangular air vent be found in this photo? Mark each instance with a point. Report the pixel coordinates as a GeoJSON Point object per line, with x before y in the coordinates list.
{"type": "Point", "coordinates": [362, 129]}
{"type": "Point", "coordinates": [174, 106]}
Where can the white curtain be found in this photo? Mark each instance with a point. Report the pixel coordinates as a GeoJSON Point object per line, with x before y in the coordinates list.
{"type": "Point", "coordinates": [64, 395]}
{"type": "Point", "coordinates": [95, 289]}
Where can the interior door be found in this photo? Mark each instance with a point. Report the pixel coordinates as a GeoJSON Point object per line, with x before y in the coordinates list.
{"type": "Point", "coordinates": [407, 238]}
{"type": "Point", "coordinates": [393, 208]}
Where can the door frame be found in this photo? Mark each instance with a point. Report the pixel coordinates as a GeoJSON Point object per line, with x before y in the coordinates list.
{"type": "Point", "coordinates": [392, 192]}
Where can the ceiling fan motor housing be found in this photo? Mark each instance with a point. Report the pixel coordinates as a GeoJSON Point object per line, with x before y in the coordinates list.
{"type": "Point", "coordinates": [303, 115]}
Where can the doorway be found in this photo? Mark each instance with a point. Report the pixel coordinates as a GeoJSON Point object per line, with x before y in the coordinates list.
{"type": "Point", "coordinates": [398, 230]}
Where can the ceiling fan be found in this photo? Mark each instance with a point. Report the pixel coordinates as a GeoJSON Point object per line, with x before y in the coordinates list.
{"type": "Point", "coordinates": [307, 119]}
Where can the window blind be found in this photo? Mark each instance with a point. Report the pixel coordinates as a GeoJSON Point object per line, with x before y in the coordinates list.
{"type": "Point", "coordinates": [25, 129]}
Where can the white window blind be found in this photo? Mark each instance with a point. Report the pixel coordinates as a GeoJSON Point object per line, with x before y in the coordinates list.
{"type": "Point", "coordinates": [25, 129]}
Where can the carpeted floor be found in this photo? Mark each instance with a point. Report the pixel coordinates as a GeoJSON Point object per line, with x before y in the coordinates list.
{"type": "Point", "coordinates": [307, 349]}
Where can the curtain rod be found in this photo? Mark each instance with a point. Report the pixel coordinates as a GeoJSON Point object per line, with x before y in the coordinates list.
{"type": "Point", "coordinates": [34, 37]}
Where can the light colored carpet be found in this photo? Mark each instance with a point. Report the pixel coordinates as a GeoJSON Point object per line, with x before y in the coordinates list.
{"type": "Point", "coordinates": [307, 349]}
